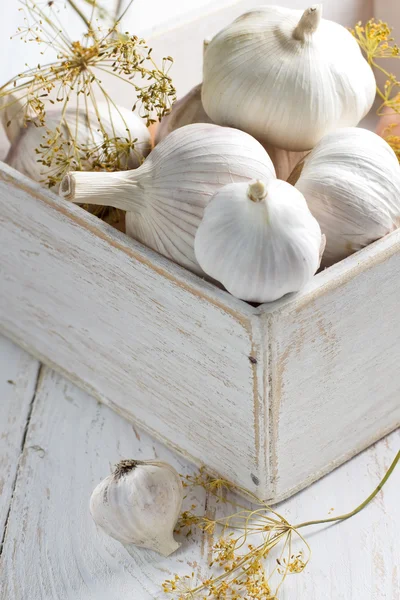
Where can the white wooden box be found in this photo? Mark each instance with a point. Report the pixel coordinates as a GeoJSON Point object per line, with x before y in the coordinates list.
{"type": "Point", "coordinates": [271, 397]}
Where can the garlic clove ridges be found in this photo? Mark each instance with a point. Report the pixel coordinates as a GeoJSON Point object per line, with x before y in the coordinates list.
{"type": "Point", "coordinates": [259, 240]}
{"type": "Point", "coordinates": [351, 181]}
{"type": "Point", "coordinates": [116, 121]}
{"type": "Point", "coordinates": [166, 196]}
{"type": "Point", "coordinates": [286, 77]}
{"type": "Point", "coordinates": [139, 505]}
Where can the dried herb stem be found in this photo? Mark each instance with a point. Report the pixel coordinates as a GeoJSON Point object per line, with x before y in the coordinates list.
{"type": "Point", "coordinates": [80, 14]}
{"type": "Point", "coordinates": [361, 506]}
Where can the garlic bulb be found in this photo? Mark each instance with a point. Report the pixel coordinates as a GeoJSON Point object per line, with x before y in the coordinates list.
{"type": "Point", "coordinates": [259, 240]}
{"type": "Point", "coordinates": [189, 109]}
{"type": "Point", "coordinates": [286, 77]}
{"type": "Point", "coordinates": [351, 181]}
{"type": "Point", "coordinates": [115, 122]}
{"type": "Point", "coordinates": [139, 505]}
{"type": "Point", "coordinates": [185, 111]}
{"type": "Point", "coordinates": [166, 196]}
{"type": "Point", "coordinates": [12, 112]}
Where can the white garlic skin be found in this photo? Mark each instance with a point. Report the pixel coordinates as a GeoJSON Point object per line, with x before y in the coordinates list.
{"type": "Point", "coordinates": [286, 77]}
{"type": "Point", "coordinates": [189, 109]}
{"type": "Point", "coordinates": [141, 506]}
{"type": "Point", "coordinates": [259, 240]}
{"type": "Point", "coordinates": [351, 181]}
{"type": "Point", "coordinates": [22, 155]}
{"type": "Point", "coordinates": [166, 196]}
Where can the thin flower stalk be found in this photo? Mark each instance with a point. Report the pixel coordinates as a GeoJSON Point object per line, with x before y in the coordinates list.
{"type": "Point", "coordinates": [376, 41]}
{"type": "Point", "coordinates": [240, 568]}
{"type": "Point", "coordinates": [74, 83]}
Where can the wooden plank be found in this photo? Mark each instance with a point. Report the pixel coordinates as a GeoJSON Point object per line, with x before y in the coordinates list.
{"type": "Point", "coordinates": [140, 333]}
{"type": "Point", "coordinates": [53, 551]}
{"type": "Point", "coordinates": [357, 559]}
{"type": "Point", "coordinates": [334, 359]}
{"type": "Point", "coordinates": [18, 374]}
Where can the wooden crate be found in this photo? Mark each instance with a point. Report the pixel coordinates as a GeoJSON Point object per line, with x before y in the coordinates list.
{"type": "Point", "coordinates": [270, 397]}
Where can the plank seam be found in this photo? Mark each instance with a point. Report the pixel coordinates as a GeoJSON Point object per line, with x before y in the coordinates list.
{"type": "Point", "coordinates": [23, 443]}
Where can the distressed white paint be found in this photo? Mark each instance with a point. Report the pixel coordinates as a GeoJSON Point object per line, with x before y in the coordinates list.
{"type": "Point", "coordinates": [171, 351]}
{"type": "Point", "coordinates": [141, 333]}
{"type": "Point", "coordinates": [53, 551]}
{"type": "Point", "coordinates": [18, 372]}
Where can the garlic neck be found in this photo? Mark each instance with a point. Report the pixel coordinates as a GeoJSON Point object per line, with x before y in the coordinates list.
{"type": "Point", "coordinates": [120, 189]}
{"type": "Point", "coordinates": [308, 23]}
{"type": "Point", "coordinates": [257, 191]}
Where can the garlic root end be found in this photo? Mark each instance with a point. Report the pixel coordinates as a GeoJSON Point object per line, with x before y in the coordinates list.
{"type": "Point", "coordinates": [308, 23]}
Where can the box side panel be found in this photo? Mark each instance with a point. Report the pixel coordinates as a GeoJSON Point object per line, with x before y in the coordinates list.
{"type": "Point", "coordinates": [335, 370]}
{"type": "Point", "coordinates": [112, 317]}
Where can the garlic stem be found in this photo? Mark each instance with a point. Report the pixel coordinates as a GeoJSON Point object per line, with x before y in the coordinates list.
{"type": "Point", "coordinates": [257, 191]}
{"type": "Point", "coordinates": [102, 188]}
{"type": "Point", "coordinates": [308, 23]}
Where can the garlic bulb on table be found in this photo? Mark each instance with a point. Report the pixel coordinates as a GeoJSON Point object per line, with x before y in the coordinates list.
{"type": "Point", "coordinates": [166, 196]}
{"type": "Point", "coordinates": [259, 240]}
{"type": "Point", "coordinates": [286, 77]}
{"type": "Point", "coordinates": [116, 122]}
{"type": "Point", "coordinates": [351, 181]}
{"type": "Point", "coordinates": [139, 505]}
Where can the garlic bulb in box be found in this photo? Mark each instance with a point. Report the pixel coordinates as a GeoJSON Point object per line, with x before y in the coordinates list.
{"type": "Point", "coordinates": [286, 77]}
{"type": "Point", "coordinates": [84, 126]}
{"type": "Point", "coordinates": [259, 240]}
{"type": "Point", "coordinates": [166, 196]}
{"type": "Point", "coordinates": [139, 505]}
{"type": "Point", "coordinates": [189, 109]}
{"type": "Point", "coordinates": [351, 181]}
{"type": "Point", "coordinates": [185, 111]}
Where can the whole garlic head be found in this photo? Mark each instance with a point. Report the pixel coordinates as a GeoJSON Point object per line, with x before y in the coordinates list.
{"type": "Point", "coordinates": [259, 240]}
{"type": "Point", "coordinates": [189, 109]}
{"type": "Point", "coordinates": [166, 196]}
{"type": "Point", "coordinates": [286, 77]}
{"type": "Point", "coordinates": [116, 121]}
{"type": "Point", "coordinates": [351, 181]}
{"type": "Point", "coordinates": [139, 505]}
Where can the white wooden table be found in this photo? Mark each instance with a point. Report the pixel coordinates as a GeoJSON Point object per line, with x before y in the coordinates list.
{"type": "Point", "coordinates": [57, 443]}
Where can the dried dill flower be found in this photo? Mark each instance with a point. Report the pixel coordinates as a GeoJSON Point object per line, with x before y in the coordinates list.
{"type": "Point", "coordinates": [254, 552]}
{"type": "Point", "coordinates": [376, 41]}
{"type": "Point", "coordinates": [73, 82]}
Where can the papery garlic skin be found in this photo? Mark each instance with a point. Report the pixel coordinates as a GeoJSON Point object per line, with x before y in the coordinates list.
{"type": "Point", "coordinates": [185, 111]}
{"type": "Point", "coordinates": [351, 181]}
{"type": "Point", "coordinates": [22, 155]}
{"type": "Point", "coordinates": [166, 196]}
{"type": "Point", "coordinates": [139, 505]}
{"type": "Point", "coordinates": [259, 240]}
{"type": "Point", "coordinates": [286, 77]}
{"type": "Point", "coordinates": [189, 109]}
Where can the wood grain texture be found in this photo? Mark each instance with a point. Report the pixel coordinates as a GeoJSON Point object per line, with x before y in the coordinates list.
{"type": "Point", "coordinates": [259, 395]}
{"type": "Point", "coordinates": [18, 373]}
{"type": "Point", "coordinates": [334, 363]}
{"type": "Point", "coordinates": [53, 550]}
{"type": "Point", "coordinates": [143, 335]}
